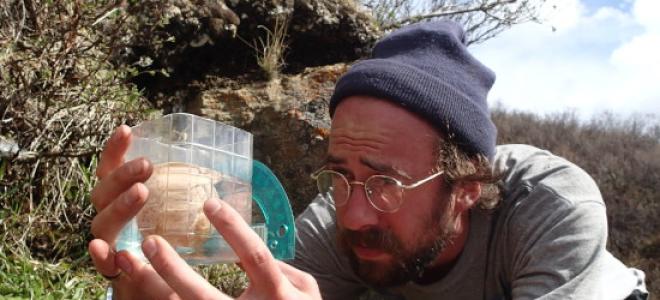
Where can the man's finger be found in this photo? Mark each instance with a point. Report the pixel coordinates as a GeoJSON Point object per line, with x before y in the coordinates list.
{"type": "Point", "coordinates": [119, 180]}
{"type": "Point", "coordinates": [256, 259]}
{"type": "Point", "coordinates": [139, 274]}
{"type": "Point", "coordinates": [301, 280]}
{"type": "Point", "coordinates": [176, 272]}
{"type": "Point", "coordinates": [114, 151]}
{"type": "Point", "coordinates": [108, 223]}
{"type": "Point", "coordinates": [103, 257]}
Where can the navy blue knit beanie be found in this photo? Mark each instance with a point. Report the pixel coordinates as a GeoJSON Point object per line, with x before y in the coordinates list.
{"type": "Point", "coordinates": [426, 68]}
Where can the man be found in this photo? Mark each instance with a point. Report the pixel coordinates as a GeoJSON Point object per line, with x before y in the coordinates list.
{"type": "Point", "coordinates": [416, 109]}
{"type": "Point", "coordinates": [409, 205]}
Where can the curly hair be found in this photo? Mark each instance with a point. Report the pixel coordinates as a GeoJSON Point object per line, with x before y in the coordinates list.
{"type": "Point", "coordinates": [461, 166]}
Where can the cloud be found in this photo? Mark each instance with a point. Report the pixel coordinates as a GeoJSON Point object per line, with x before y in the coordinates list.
{"type": "Point", "coordinates": [641, 52]}
{"type": "Point", "coordinates": [600, 59]}
{"type": "Point", "coordinates": [562, 14]}
{"type": "Point", "coordinates": [646, 13]}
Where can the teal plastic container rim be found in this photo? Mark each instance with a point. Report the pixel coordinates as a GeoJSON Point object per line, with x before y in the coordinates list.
{"type": "Point", "coordinates": [269, 194]}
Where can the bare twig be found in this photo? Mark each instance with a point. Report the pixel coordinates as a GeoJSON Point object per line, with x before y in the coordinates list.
{"type": "Point", "coordinates": [63, 97]}
{"type": "Point", "coordinates": [457, 11]}
{"type": "Point", "coordinates": [21, 25]}
{"type": "Point", "coordinates": [482, 19]}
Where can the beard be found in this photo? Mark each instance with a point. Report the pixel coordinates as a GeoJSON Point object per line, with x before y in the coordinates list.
{"type": "Point", "coordinates": [409, 260]}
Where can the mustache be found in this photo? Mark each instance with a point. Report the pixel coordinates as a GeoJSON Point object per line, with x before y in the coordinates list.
{"type": "Point", "coordinates": [372, 238]}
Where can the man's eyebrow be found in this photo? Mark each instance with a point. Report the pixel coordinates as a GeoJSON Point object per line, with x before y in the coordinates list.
{"type": "Point", "coordinates": [383, 168]}
{"type": "Point", "coordinates": [331, 159]}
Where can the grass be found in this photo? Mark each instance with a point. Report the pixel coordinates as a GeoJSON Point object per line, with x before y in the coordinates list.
{"type": "Point", "coordinates": [24, 278]}
{"type": "Point", "coordinates": [270, 51]}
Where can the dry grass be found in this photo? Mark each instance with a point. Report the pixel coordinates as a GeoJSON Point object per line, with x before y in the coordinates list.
{"type": "Point", "coordinates": [270, 50]}
{"type": "Point", "coordinates": [623, 156]}
{"type": "Point", "coordinates": [63, 91]}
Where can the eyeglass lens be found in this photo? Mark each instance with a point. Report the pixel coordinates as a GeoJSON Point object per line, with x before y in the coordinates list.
{"type": "Point", "coordinates": [383, 192]}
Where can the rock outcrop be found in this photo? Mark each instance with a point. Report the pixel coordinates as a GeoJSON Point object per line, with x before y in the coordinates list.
{"type": "Point", "coordinates": [210, 57]}
{"type": "Point", "coordinates": [192, 38]}
{"type": "Point", "coordinates": [288, 117]}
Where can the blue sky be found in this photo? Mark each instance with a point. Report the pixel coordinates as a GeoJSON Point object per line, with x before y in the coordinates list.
{"type": "Point", "coordinates": [603, 56]}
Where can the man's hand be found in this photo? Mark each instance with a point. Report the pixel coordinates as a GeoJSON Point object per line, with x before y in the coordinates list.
{"type": "Point", "coordinates": [269, 278]}
{"type": "Point", "coordinates": [118, 197]}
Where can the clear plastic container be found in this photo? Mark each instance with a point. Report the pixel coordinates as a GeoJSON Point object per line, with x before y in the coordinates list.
{"type": "Point", "coordinates": [194, 159]}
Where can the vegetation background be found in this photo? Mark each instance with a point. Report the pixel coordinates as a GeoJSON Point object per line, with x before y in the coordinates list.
{"type": "Point", "coordinates": [71, 71]}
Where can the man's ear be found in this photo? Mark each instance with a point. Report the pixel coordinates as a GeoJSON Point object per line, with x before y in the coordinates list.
{"type": "Point", "coordinates": [467, 194]}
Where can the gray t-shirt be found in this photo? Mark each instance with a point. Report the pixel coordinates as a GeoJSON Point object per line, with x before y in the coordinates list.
{"type": "Point", "coordinates": [546, 240]}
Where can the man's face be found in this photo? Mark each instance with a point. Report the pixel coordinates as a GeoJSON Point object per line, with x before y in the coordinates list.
{"type": "Point", "coordinates": [369, 137]}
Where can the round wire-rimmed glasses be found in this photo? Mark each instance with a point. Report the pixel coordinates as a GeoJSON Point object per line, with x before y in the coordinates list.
{"type": "Point", "coordinates": [385, 193]}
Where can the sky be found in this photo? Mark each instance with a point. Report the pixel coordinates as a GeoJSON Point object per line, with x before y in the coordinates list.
{"type": "Point", "coordinates": [603, 55]}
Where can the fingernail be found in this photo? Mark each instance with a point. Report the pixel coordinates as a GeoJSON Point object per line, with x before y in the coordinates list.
{"type": "Point", "coordinates": [124, 265]}
{"type": "Point", "coordinates": [119, 134]}
{"type": "Point", "coordinates": [211, 206]}
{"type": "Point", "coordinates": [149, 247]}
{"type": "Point", "coordinates": [129, 198]}
{"type": "Point", "coordinates": [138, 167]}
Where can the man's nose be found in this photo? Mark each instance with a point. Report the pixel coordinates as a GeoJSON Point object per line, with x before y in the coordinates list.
{"type": "Point", "coordinates": [358, 211]}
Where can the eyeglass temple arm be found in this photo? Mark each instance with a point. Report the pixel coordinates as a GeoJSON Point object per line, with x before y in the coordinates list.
{"type": "Point", "coordinates": [316, 173]}
{"type": "Point", "coordinates": [423, 181]}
